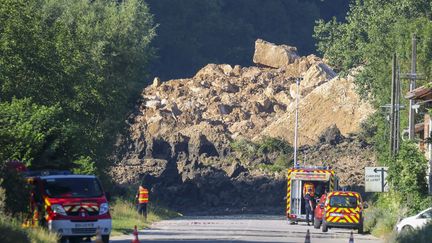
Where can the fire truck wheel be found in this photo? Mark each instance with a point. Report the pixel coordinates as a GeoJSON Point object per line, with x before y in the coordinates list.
{"type": "Point", "coordinates": [360, 229]}
{"type": "Point", "coordinates": [105, 238]}
{"type": "Point", "coordinates": [324, 227]}
{"type": "Point", "coordinates": [317, 223]}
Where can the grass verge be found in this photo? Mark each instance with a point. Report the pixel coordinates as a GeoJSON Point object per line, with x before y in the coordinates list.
{"type": "Point", "coordinates": [11, 232]}
{"type": "Point", "coordinates": [125, 216]}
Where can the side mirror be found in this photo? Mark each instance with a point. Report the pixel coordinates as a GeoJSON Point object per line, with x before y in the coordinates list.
{"type": "Point", "coordinates": [108, 196]}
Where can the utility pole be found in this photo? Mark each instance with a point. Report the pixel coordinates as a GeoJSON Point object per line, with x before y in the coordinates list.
{"type": "Point", "coordinates": [296, 122]}
{"type": "Point", "coordinates": [413, 74]}
{"type": "Point", "coordinates": [297, 80]}
{"type": "Point", "coordinates": [395, 108]}
{"type": "Point", "coordinates": [398, 109]}
{"type": "Point", "coordinates": [392, 107]}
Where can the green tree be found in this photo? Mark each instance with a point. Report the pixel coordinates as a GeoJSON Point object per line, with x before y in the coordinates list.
{"type": "Point", "coordinates": [30, 132]}
{"type": "Point", "coordinates": [407, 176]}
{"type": "Point", "coordinates": [88, 58]}
{"type": "Point", "coordinates": [373, 31]}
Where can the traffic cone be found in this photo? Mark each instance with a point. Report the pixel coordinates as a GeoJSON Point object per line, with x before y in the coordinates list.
{"type": "Point", "coordinates": [351, 240]}
{"type": "Point", "coordinates": [98, 236]}
{"type": "Point", "coordinates": [307, 239]}
{"type": "Point", "coordinates": [135, 233]}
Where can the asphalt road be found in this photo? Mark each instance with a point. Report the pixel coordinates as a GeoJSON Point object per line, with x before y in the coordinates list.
{"type": "Point", "coordinates": [239, 228]}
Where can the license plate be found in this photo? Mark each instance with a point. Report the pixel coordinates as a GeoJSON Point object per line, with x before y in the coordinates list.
{"type": "Point", "coordinates": [84, 225]}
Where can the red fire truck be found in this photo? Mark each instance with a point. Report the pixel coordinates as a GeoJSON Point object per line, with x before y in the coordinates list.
{"type": "Point", "coordinates": [74, 206]}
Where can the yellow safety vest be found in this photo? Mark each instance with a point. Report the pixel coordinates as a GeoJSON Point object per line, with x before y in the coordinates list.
{"type": "Point", "coordinates": [143, 196]}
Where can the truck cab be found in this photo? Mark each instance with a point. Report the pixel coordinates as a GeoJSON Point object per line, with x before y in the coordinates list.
{"type": "Point", "coordinates": [74, 206]}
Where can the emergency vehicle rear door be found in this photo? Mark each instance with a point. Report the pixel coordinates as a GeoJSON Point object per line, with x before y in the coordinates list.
{"type": "Point", "coordinates": [296, 194]}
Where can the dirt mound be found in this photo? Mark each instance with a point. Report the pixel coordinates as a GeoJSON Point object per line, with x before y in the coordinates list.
{"type": "Point", "coordinates": [181, 130]}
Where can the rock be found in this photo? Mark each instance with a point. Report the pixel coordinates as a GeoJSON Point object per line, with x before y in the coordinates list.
{"type": "Point", "coordinates": [156, 82]}
{"type": "Point", "coordinates": [283, 98]}
{"type": "Point", "coordinates": [316, 75]}
{"type": "Point", "coordinates": [235, 169]}
{"type": "Point", "coordinates": [237, 71]}
{"type": "Point", "coordinates": [278, 108]}
{"type": "Point", "coordinates": [251, 73]}
{"type": "Point", "coordinates": [331, 135]}
{"type": "Point", "coordinates": [266, 105]}
{"type": "Point", "coordinates": [210, 70]}
{"type": "Point", "coordinates": [226, 68]}
{"type": "Point", "coordinates": [271, 55]}
{"type": "Point", "coordinates": [230, 88]}
{"type": "Point", "coordinates": [225, 109]}
{"type": "Point", "coordinates": [155, 104]}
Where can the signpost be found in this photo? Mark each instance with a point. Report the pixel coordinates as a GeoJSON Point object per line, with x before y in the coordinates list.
{"type": "Point", "coordinates": [375, 179]}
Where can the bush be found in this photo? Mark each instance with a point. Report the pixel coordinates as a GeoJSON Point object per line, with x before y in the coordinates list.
{"type": "Point", "coordinates": [2, 198]}
{"type": "Point", "coordinates": [281, 163]}
{"type": "Point", "coordinates": [246, 148]}
{"type": "Point", "coordinates": [271, 145]}
{"type": "Point", "coordinates": [381, 217]}
{"type": "Point", "coordinates": [16, 192]}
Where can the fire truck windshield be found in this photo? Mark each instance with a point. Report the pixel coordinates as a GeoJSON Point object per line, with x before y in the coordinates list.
{"type": "Point", "coordinates": [72, 187]}
{"type": "Point", "coordinates": [343, 201]}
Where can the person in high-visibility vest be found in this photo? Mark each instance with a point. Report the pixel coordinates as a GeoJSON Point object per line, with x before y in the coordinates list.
{"type": "Point", "coordinates": [143, 199]}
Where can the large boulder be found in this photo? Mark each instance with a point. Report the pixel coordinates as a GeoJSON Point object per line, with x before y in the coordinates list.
{"type": "Point", "coordinates": [331, 135]}
{"type": "Point", "coordinates": [316, 75]}
{"type": "Point", "coordinates": [275, 56]}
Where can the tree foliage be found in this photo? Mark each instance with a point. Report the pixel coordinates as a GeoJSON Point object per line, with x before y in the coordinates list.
{"type": "Point", "coordinates": [407, 176]}
{"type": "Point", "coordinates": [31, 132]}
{"type": "Point", "coordinates": [87, 59]}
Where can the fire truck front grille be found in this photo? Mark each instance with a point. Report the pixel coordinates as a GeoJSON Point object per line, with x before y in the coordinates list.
{"type": "Point", "coordinates": [90, 231]}
{"type": "Point", "coordinates": [79, 214]}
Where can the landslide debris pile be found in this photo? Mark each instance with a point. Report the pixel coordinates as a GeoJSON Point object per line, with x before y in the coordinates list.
{"type": "Point", "coordinates": [179, 125]}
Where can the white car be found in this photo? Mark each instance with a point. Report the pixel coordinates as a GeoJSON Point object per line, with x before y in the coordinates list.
{"type": "Point", "coordinates": [415, 222]}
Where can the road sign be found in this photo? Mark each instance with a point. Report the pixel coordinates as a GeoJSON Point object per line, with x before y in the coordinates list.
{"type": "Point", "coordinates": [376, 179]}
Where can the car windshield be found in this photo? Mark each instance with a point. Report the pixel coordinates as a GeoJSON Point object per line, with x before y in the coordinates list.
{"type": "Point", "coordinates": [72, 187]}
{"type": "Point", "coordinates": [343, 201]}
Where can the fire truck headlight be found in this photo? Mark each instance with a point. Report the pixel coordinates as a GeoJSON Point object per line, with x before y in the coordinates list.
{"type": "Point", "coordinates": [58, 209]}
{"type": "Point", "coordinates": [104, 208]}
